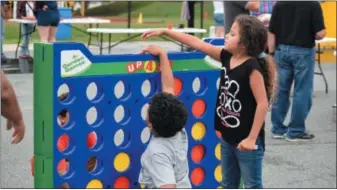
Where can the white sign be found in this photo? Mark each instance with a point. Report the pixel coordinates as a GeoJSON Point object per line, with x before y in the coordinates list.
{"type": "Point", "coordinates": [73, 62]}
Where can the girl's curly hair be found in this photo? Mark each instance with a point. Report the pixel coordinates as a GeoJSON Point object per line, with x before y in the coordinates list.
{"type": "Point", "coordinates": [253, 36]}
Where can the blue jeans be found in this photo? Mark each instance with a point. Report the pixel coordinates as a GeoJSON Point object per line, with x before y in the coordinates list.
{"type": "Point", "coordinates": [246, 164]}
{"type": "Point", "coordinates": [26, 33]}
{"type": "Point", "coordinates": [294, 64]}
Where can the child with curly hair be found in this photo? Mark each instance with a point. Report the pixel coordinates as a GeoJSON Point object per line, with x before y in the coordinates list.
{"type": "Point", "coordinates": [164, 162]}
{"type": "Point", "coordinates": [246, 89]}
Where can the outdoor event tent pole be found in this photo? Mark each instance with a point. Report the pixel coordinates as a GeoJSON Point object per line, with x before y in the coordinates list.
{"type": "Point", "coordinates": [129, 15]}
{"type": "Point", "coordinates": [15, 4]}
{"type": "Point", "coordinates": [201, 14]}
{"type": "Point", "coordinates": [83, 8]}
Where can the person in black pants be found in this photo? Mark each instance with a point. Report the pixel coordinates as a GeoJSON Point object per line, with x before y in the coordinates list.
{"type": "Point", "coordinates": [190, 22]}
{"type": "Point", "coordinates": [48, 18]}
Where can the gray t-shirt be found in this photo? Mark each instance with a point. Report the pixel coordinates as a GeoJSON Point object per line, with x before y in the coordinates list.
{"type": "Point", "coordinates": [165, 162]}
{"type": "Point", "coordinates": [233, 9]}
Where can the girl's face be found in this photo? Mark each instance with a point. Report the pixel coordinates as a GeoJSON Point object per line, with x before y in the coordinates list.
{"type": "Point", "coordinates": [232, 39]}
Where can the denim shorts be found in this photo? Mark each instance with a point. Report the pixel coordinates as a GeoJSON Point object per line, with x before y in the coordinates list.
{"type": "Point", "coordinates": [48, 18]}
{"type": "Point", "coordinates": [245, 165]}
{"type": "Point", "coordinates": [219, 19]}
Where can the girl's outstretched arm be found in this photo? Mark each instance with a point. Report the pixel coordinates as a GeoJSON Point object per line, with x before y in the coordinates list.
{"type": "Point", "coordinates": [189, 40]}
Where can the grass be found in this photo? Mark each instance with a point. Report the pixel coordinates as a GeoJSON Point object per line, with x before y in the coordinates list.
{"type": "Point", "coordinates": [117, 8]}
{"type": "Point", "coordinates": [162, 12]}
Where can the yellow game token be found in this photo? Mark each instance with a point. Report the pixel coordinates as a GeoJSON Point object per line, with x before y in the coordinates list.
{"type": "Point", "coordinates": [95, 184]}
{"type": "Point", "coordinates": [217, 151]}
{"type": "Point", "coordinates": [198, 131]}
{"type": "Point", "coordinates": [217, 174]}
{"type": "Point", "coordinates": [122, 162]}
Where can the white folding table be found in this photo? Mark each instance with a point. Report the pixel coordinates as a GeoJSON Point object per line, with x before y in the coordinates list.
{"type": "Point", "coordinates": [86, 20]}
{"type": "Point", "coordinates": [136, 32]}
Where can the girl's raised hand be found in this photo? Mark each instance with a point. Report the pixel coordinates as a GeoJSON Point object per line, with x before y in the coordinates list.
{"type": "Point", "coordinates": [45, 7]}
{"type": "Point", "coordinates": [152, 33]}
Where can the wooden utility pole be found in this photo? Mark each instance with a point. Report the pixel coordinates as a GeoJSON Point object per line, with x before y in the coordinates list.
{"type": "Point", "coordinates": [83, 8]}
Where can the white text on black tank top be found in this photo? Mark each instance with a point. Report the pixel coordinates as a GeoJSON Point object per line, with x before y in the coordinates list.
{"type": "Point", "coordinates": [229, 107]}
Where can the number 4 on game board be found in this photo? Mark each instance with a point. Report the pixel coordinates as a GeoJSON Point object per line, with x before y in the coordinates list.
{"type": "Point", "coordinates": [149, 66]}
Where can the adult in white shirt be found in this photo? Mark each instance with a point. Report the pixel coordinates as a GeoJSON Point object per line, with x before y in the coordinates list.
{"type": "Point", "coordinates": [219, 18]}
{"type": "Point", "coordinates": [25, 11]}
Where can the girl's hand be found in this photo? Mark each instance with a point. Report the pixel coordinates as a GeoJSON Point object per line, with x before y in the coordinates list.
{"type": "Point", "coordinates": [29, 18]}
{"type": "Point", "coordinates": [45, 7]}
{"type": "Point", "coordinates": [247, 144]}
{"type": "Point", "coordinates": [152, 33]}
{"type": "Point", "coordinates": [154, 50]}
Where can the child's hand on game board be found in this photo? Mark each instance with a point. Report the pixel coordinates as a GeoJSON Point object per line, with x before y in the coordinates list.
{"type": "Point", "coordinates": [154, 50]}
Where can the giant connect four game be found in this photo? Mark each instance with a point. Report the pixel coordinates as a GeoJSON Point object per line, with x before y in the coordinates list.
{"type": "Point", "coordinates": [89, 115]}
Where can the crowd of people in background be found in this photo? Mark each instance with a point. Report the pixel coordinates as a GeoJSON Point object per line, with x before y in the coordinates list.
{"type": "Point", "coordinates": [254, 8]}
{"type": "Point", "coordinates": [44, 12]}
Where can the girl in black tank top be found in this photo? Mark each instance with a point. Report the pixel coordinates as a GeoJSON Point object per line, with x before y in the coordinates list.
{"type": "Point", "coordinates": [245, 91]}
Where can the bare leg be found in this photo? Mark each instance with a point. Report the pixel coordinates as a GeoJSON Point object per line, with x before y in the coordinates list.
{"type": "Point", "coordinates": [52, 33]}
{"type": "Point", "coordinates": [217, 32]}
{"type": "Point", "coordinates": [220, 32]}
{"type": "Point", "coordinates": [44, 33]}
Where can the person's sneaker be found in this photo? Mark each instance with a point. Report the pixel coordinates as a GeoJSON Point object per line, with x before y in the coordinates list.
{"type": "Point", "coordinates": [278, 136]}
{"type": "Point", "coordinates": [304, 137]}
{"type": "Point", "coordinates": [3, 59]}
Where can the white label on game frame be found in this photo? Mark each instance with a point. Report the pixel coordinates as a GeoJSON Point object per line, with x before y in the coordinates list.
{"type": "Point", "coordinates": [73, 62]}
{"type": "Point", "coordinates": [212, 62]}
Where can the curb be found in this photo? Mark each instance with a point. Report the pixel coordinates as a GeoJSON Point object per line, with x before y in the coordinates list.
{"type": "Point", "coordinates": [16, 66]}
{"type": "Point", "coordinates": [12, 47]}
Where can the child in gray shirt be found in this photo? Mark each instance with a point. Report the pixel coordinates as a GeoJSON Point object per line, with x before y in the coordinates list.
{"type": "Point", "coordinates": [164, 162]}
